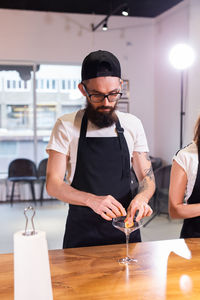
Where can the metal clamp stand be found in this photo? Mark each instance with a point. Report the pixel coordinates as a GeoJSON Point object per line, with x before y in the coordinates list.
{"type": "Point", "coordinates": [29, 232]}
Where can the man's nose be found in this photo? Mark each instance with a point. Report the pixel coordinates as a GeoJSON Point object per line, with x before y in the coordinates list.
{"type": "Point", "coordinates": [106, 101]}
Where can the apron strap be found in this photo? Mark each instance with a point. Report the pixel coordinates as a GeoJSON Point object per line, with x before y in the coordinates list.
{"type": "Point", "coordinates": [83, 127]}
{"type": "Point", "coordinates": [124, 150]}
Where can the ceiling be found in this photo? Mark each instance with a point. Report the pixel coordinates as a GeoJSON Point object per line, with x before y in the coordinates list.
{"type": "Point", "coordinates": [137, 8]}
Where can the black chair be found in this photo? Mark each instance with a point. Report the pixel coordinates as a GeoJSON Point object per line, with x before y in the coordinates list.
{"type": "Point", "coordinates": [22, 170]}
{"type": "Point", "coordinates": [156, 162]}
{"type": "Point", "coordinates": [42, 175]}
{"type": "Point", "coordinates": [160, 197]}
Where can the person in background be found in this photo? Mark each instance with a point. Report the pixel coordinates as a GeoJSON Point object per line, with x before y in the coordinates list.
{"type": "Point", "coordinates": [184, 191]}
{"type": "Point", "coordinates": [96, 148]}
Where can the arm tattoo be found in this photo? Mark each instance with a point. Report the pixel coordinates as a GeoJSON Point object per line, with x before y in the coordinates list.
{"type": "Point", "coordinates": [143, 185]}
{"type": "Point", "coordinates": [149, 173]}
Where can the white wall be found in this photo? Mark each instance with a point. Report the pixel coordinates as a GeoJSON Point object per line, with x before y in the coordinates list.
{"type": "Point", "coordinates": [68, 38]}
{"type": "Point", "coordinates": [193, 99]}
{"type": "Point", "coordinates": [142, 46]}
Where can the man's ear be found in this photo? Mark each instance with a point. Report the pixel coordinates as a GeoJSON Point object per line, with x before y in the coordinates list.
{"type": "Point", "coordinates": [121, 82]}
{"type": "Point", "coordinates": [81, 88]}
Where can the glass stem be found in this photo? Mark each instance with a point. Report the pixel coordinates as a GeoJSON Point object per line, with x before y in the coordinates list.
{"type": "Point", "coordinates": [127, 241]}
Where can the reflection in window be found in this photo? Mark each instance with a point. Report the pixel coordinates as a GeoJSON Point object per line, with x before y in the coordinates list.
{"type": "Point", "coordinates": [53, 84]}
{"type": "Point", "coordinates": [16, 85]}
{"type": "Point", "coordinates": [67, 84]}
{"type": "Point", "coordinates": [63, 86]}
{"type": "Point", "coordinates": [67, 109]}
{"type": "Point", "coordinates": [46, 84]}
{"type": "Point", "coordinates": [8, 148]}
{"type": "Point", "coordinates": [17, 116]}
{"type": "Point", "coordinates": [46, 116]}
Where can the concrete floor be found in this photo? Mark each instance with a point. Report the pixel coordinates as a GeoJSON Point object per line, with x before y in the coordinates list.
{"type": "Point", "coordinates": [51, 217]}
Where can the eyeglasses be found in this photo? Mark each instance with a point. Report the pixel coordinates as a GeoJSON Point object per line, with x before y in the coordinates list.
{"type": "Point", "coordinates": [97, 98]}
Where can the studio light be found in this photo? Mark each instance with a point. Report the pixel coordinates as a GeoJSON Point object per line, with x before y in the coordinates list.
{"type": "Point", "coordinates": [181, 58]}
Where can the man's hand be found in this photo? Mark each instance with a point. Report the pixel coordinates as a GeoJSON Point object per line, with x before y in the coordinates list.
{"type": "Point", "coordinates": [107, 207]}
{"type": "Point", "coordinates": [138, 203]}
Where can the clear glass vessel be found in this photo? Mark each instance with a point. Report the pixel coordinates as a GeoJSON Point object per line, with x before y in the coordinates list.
{"type": "Point", "coordinates": [120, 224]}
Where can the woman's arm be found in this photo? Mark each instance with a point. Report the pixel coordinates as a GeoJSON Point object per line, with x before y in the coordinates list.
{"type": "Point", "coordinates": [178, 184]}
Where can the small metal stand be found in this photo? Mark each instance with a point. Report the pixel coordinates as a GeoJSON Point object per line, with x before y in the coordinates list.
{"type": "Point", "coordinates": [29, 232]}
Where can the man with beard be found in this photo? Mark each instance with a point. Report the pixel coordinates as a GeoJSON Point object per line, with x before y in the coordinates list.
{"type": "Point", "coordinates": [97, 147]}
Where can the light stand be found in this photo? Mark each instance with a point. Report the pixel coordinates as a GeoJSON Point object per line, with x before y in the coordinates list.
{"type": "Point", "coordinates": [181, 57]}
{"type": "Point", "coordinates": [182, 113]}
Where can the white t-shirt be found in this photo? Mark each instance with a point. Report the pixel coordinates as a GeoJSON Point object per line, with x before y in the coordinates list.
{"type": "Point", "coordinates": [187, 158]}
{"type": "Point", "coordinates": [65, 136]}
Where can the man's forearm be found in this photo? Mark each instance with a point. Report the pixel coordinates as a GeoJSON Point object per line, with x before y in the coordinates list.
{"type": "Point", "coordinates": [61, 190]}
{"type": "Point", "coordinates": [147, 185]}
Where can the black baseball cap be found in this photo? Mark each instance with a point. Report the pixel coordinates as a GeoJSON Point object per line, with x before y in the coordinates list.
{"type": "Point", "coordinates": [99, 64]}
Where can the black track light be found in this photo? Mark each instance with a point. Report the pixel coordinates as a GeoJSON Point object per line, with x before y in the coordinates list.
{"type": "Point", "coordinates": [123, 8]}
{"type": "Point", "coordinates": [125, 12]}
{"type": "Point", "coordinates": [105, 26]}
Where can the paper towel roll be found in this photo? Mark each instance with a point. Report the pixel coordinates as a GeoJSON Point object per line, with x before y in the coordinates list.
{"type": "Point", "coordinates": [32, 279]}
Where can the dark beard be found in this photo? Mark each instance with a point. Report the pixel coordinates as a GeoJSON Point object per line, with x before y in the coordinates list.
{"type": "Point", "coordinates": [99, 118]}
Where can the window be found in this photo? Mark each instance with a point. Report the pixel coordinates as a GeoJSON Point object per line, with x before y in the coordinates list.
{"type": "Point", "coordinates": [16, 114]}
{"type": "Point", "coordinates": [56, 94]}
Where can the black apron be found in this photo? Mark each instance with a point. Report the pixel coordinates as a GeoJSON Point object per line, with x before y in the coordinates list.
{"type": "Point", "coordinates": [102, 168]}
{"type": "Point", "coordinates": [191, 226]}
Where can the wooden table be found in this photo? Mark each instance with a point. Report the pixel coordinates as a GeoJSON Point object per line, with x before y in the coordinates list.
{"type": "Point", "coordinates": [165, 270]}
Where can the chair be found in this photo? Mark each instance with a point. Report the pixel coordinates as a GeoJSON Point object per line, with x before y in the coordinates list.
{"type": "Point", "coordinates": [160, 197]}
{"type": "Point", "coordinates": [156, 162]}
{"type": "Point", "coordinates": [22, 170]}
{"type": "Point", "coordinates": [42, 175]}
